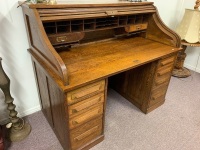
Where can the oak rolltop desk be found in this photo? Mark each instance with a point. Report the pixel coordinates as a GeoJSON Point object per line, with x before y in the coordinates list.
{"type": "Point", "coordinates": [79, 48]}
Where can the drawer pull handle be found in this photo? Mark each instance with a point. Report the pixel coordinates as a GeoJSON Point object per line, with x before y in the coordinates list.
{"type": "Point", "coordinates": [161, 81]}
{"type": "Point", "coordinates": [162, 72]}
{"type": "Point", "coordinates": [167, 61]}
{"type": "Point", "coordinates": [86, 117]}
{"type": "Point", "coordinates": [86, 91]}
{"type": "Point", "coordinates": [87, 104]}
{"type": "Point", "coordinates": [86, 134]}
{"type": "Point", "coordinates": [158, 95]}
{"type": "Point", "coordinates": [61, 39]}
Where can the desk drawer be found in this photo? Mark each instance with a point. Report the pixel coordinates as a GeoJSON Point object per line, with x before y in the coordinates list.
{"type": "Point", "coordinates": [85, 133]}
{"type": "Point", "coordinates": [84, 117]}
{"type": "Point", "coordinates": [85, 92]}
{"type": "Point", "coordinates": [85, 105]}
{"type": "Point", "coordinates": [167, 61]}
{"type": "Point", "coordinates": [158, 94]}
{"type": "Point", "coordinates": [165, 70]}
{"type": "Point", "coordinates": [161, 79]}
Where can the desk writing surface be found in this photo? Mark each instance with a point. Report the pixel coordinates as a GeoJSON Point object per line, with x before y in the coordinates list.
{"type": "Point", "coordinates": [103, 59]}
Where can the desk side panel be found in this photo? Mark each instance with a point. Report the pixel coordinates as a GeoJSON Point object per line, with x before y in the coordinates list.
{"type": "Point", "coordinates": [157, 30]}
{"type": "Point", "coordinates": [40, 44]}
{"type": "Point", "coordinates": [52, 100]}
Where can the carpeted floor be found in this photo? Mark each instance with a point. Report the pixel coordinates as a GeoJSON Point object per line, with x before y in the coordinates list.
{"type": "Point", "coordinates": [173, 126]}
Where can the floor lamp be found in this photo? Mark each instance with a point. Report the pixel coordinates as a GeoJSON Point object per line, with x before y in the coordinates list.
{"type": "Point", "coordinates": [19, 129]}
{"type": "Point", "coordinates": [189, 31]}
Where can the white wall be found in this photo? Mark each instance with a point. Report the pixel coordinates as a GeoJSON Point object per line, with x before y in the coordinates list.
{"type": "Point", "coordinates": [193, 53]}
{"type": "Point", "coordinates": [17, 61]}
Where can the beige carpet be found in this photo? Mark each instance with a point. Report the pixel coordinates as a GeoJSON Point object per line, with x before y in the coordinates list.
{"type": "Point", "coordinates": [173, 126]}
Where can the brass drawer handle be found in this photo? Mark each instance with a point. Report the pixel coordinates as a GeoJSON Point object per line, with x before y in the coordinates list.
{"type": "Point", "coordinates": [87, 104]}
{"type": "Point", "coordinates": [61, 39]}
{"type": "Point", "coordinates": [86, 134]}
{"type": "Point", "coordinates": [158, 82]}
{"type": "Point", "coordinates": [138, 27]}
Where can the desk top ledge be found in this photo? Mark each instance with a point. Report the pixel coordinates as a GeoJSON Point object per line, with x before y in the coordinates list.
{"type": "Point", "coordinates": [84, 3]}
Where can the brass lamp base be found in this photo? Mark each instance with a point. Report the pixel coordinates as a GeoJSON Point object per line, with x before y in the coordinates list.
{"type": "Point", "coordinates": [19, 134]}
{"type": "Point", "coordinates": [181, 73]}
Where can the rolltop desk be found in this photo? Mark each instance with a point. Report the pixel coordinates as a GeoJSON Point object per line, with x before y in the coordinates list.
{"type": "Point", "coordinates": [79, 48]}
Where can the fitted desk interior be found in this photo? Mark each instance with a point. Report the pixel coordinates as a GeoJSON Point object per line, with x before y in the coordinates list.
{"type": "Point", "coordinates": [79, 49]}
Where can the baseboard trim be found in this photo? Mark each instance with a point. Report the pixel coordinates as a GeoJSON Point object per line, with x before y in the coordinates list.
{"type": "Point", "coordinates": [22, 114]}
{"type": "Point", "coordinates": [198, 70]}
{"type": "Point", "coordinates": [189, 67]}
{"type": "Point", "coordinates": [192, 68]}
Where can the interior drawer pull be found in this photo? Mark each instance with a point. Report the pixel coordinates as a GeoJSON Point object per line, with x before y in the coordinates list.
{"type": "Point", "coordinates": [87, 104]}
{"type": "Point", "coordinates": [86, 117]}
{"type": "Point", "coordinates": [86, 91]}
{"type": "Point", "coordinates": [167, 61]}
{"type": "Point", "coordinates": [87, 133]}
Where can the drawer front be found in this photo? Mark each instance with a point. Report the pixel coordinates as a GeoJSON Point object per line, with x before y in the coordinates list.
{"type": "Point", "coordinates": [84, 117]}
{"type": "Point", "coordinates": [138, 27]}
{"type": "Point", "coordinates": [167, 61]}
{"type": "Point", "coordinates": [160, 80]}
{"type": "Point", "coordinates": [85, 105]}
{"type": "Point", "coordinates": [165, 70]}
{"type": "Point", "coordinates": [158, 94]}
{"type": "Point", "coordinates": [84, 92]}
{"type": "Point", "coordinates": [85, 133]}
{"type": "Point", "coordinates": [64, 38]}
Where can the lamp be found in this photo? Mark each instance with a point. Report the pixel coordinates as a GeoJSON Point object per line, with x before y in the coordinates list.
{"type": "Point", "coordinates": [19, 129]}
{"type": "Point", "coordinates": [189, 31]}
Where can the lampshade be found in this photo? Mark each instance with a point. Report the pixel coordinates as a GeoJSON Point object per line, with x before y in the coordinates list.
{"type": "Point", "coordinates": [189, 27]}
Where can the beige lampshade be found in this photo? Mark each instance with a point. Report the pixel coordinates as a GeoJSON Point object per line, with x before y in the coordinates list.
{"type": "Point", "coordinates": [189, 27]}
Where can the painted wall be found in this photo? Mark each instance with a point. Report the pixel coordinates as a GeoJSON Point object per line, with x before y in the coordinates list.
{"type": "Point", "coordinates": [17, 61]}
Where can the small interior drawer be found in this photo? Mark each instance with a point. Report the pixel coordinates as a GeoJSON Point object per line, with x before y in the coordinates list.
{"type": "Point", "coordinates": [136, 27]}
{"type": "Point", "coordinates": [85, 133]}
{"type": "Point", "coordinates": [85, 92]}
{"type": "Point", "coordinates": [84, 117]}
{"type": "Point", "coordinates": [85, 105]}
{"type": "Point", "coordinates": [64, 38]}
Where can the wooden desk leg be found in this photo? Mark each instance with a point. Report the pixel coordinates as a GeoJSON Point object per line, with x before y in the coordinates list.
{"type": "Point", "coordinates": [179, 71]}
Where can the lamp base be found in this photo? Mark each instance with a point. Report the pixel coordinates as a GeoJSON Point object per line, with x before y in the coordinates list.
{"type": "Point", "coordinates": [181, 73]}
{"type": "Point", "coordinates": [19, 135]}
